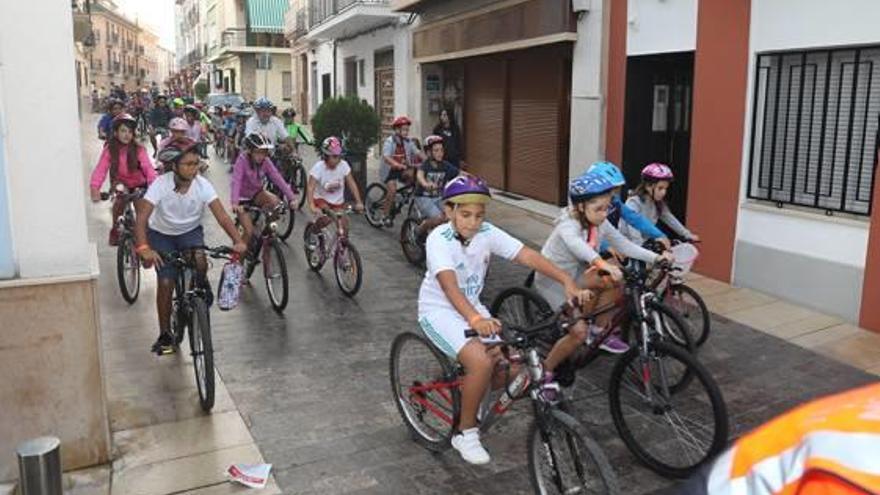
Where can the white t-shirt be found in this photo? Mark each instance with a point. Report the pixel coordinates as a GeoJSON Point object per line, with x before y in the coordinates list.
{"type": "Point", "coordinates": [174, 213]}
{"type": "Point", "coordinates": [273, 129]}
{"type": "Point", "coordinates": [330, 183]}
{"type": "Point", "coordinates": [445, 252]}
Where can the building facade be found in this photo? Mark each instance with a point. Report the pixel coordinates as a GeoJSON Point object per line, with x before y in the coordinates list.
{"type": "Point", "coordinates": [769, 112]}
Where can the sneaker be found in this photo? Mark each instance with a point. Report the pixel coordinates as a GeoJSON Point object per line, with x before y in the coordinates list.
{"type": "Point", "coordinates": [113, 238]}
{"type": "Point", "coordinates": [614, 345]}
{"type": "Point", "coordinates": [164, 344]}
{"type": "Point", "coordinates": [467, 443]}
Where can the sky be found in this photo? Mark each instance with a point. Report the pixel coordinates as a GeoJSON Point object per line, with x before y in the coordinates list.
{"type": "Point", "coordinates": [158, 15]}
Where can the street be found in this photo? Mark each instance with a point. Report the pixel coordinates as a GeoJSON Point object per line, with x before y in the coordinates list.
{"type": "Point", "coordinates": [313, 388]}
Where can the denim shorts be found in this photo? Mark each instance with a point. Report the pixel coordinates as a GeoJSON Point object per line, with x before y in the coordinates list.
{"type": "Point", "coordinates": [429, 207]}
{"type": "Point", "coordinates": [164, 243]}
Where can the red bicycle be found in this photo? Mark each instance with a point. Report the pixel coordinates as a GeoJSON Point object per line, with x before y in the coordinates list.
{"type": "Point", "coordinates": [426, 386]}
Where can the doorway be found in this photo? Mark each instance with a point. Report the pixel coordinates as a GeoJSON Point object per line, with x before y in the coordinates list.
{"type": "Point", "coordinates": [657, 119]}
{"type": "Point", "coordinates": [326, 87]}
{"type": "Point", "coordinates": [383, 68]}
{"type": "Point", "coordinates": [350, 73]}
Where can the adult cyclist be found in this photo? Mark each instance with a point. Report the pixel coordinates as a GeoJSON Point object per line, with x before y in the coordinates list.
{"type": "Point", "coordinates": [160, 116]}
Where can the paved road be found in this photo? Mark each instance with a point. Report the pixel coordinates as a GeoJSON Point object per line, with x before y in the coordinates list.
{"type": "Point", "coordinates": [313, 387]}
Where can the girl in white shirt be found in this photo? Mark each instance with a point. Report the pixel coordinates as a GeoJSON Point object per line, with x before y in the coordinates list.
{"type": "Point", "coordinates": [327, 182]}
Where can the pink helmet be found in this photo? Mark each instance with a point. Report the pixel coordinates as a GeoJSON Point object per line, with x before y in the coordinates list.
{"type": "Point", "coordinates": [332, 146]}
{"type": "Point", "coordinates": [432, 140]}
{"type": "Point", "coordinates": [656, 172]}
{"type": "Point", "coordinates": [178, 124]}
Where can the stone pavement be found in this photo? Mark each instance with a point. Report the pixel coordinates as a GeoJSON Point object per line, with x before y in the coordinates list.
{"type": "Point", "coordinates": [308, 390]}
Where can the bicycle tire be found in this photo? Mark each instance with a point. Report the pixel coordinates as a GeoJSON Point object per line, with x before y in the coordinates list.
{"type": "Point", "coordinates": [413, 250]}
{"type": "Point", "coordinates": [274, 250]}
{"type": "Point", "coordinates": [374, 199]}
{"type": "Point", "coordinates": [701, 321]}
{"type": "Point", "coordinates": [202, 351]}
{"type": "Point", "coordinates": [299, 178]}
{"type": "Point", "coordinates": [628, 433]}
{"type": "Point", "coordinates": [585, 454]}
{"type": "Point", "coordinates": [125, 256]}
{"type": "Point", "coordinates": [351, 252]}
{"type": "Point", "coordinates": [422, 433]}
{"type": "Point", "coordinates": [678, 334]}
{"type": "Point", "coordinates": [285, 224]}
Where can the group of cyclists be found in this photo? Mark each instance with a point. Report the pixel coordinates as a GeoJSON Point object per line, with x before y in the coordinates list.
{"type": "Point", "coordinates": [582, 262]}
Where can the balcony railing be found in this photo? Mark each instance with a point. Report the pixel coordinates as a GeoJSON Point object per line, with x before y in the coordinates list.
{"type": "Point", "coordinates": [241, 37]}
{"type": "Point", "coordinates": [322, 10]}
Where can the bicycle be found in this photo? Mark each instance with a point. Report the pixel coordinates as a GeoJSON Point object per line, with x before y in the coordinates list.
{"type": "Point", "coordinates": [561, 459]}
{"type": "Point", "coordinates": [671, 288]}
{"type": "Point", "coordinates": [294, 174]}
{"type": "Point", "coordinates": [346, 259]}
{"type": "Point", "coordinates": [411, 241]}
{"type": "Point", "coordinates": [375, 203]}
{"type": "Point", "coordinates": [664, 379]}
{"type": "Point", "coordinates": [189, 315]}
{"type": "Point", "coordinates": [266, 249]}
{"type": "Point", "coordinates": [128, 263]}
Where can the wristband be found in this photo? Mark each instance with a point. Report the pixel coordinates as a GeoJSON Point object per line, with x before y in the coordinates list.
{"type": "Point", "coordinates": [472, 319]}
{"type": "Point", "coordinates": [141, 248]}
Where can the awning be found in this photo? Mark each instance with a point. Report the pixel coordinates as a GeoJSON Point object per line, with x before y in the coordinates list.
{"type": "Point", "coordinates": [266, 16]}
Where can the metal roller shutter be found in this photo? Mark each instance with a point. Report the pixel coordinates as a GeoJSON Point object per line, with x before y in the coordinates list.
{"type": "Point", "coordinates": [484, 119]}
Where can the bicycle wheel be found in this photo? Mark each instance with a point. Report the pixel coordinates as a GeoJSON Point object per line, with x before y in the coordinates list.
{"type": "Point", "coordinates": [128, 270]}
{"type": "Point", "coordinates": [676, 332]}
{"type": "Point", "coordinates": [413, 249]}
{"type": "Point", "coordinates": [349, 269]}
{"type": "Point", "coordinates": [202, 352]}
{"type": "Point", "coordinates": [275, 274]}
{"type": "Point", "coordinates": [285, 224]}
{"type": "Point", "coordinates": [688, 303]}
{"type": "Point", "coordinates": [179, 319]}
{"type": "Point", "coordinates": [313, 246]}
{"type": "Point", "coordinates": [520, 307]}
{"type": "Point", "coordinates": [299, 180]}
{"type": "Point", "coordinates": [373, 204]}
{"type": "Point", "coordinates": [423, 383]}
{"type": "Point", "coordinates": [673, 434]}
{"type": "Point", "coordinates": [561, 460]}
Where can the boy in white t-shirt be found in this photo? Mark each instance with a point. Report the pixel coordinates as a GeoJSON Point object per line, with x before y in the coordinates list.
{"type": "Point", "coordinates": [327, 182]}
{"type": "Point", "coordinates": [171, 220]}
{"type": "Point", "coordinates": [458, 254]}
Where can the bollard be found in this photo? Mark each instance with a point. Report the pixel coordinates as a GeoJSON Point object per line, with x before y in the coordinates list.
{"type": "Point", "coordinates": [39, 466]}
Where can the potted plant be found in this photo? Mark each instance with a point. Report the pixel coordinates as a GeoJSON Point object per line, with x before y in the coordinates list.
{"type": "Point", "coordinates": [356, 123]}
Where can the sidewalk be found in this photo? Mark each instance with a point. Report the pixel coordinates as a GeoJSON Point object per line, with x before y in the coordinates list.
{"type": "Point", "coordinates": [824, 334]}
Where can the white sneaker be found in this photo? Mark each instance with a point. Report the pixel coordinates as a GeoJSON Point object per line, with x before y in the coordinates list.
{"type": "Point", "coordinates": [467, 443]}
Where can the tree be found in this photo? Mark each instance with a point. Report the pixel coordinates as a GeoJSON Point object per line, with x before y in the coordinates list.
{"type": "Point", "coordinates": [201, 90]}
{"type": "Point", "coordinates": [350, 119]}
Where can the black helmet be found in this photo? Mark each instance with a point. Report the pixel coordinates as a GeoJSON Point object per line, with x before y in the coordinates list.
{"type": "Point", "coordinates": [288, 113]}
{"type": "Point", "coordinates": [174, 151]}
{"type": "Point", "coordinates": [255, 141]}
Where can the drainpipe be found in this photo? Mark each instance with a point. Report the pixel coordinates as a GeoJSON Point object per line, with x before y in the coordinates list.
{"type": "Point", "coordinates": [334, 69]}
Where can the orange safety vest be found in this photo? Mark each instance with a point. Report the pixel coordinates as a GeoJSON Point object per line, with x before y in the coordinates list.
{"type": "Point", "coordinates": [829, 446]}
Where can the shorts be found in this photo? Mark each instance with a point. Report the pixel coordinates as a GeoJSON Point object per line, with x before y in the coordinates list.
{"type": "Point", "coordinates": [394, 174]}
{"type": "Point", "coordinates": [429, 207]}
{"type": "Point", "coordinates": [322, 203]}
{"type": "Point", "coordinates": [164, 243]}
{"type": "Point", "coordinates": [445, 329]}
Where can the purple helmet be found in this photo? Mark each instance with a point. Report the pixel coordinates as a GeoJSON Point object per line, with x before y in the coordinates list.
{"type": "Point", "coordinates": [656, 172]}
{"type": "Point", "coordinates": [466, 189]}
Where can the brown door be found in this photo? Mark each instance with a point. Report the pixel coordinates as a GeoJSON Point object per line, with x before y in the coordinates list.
{"type": "Point", "coordinates": [484, 118]}
{"type": "Point", "coordinates": [538, 156]}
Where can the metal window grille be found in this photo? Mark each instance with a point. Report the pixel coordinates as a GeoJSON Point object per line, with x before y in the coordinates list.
{"type": "Point", "coordinates": [815, 129]}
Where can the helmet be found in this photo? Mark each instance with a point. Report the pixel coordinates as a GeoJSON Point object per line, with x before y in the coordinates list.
{"type": "Point", "coordinates": [401, 121]}
{"type": "Point", "coordinates": [178, 124]}
{"type": "Point", "coordinates": [199, 105]}
{"type": "Point", "coordinates": [656, 172]}
{"type": "Point", "coordinates": [331, 146]}
{"type": "Point", "coordinates": [263, 103]}
{"type": "Point", "coordinates": [288, 113]}
{"type": "Point", "coordinates": [432, 140]}
{"type": "Point", "coordinates": [160, 96]}
{"type": "Point", "coordinates": [466, 189]}
{"type": "Point", "coordinates": [245, 112]}
{"type": "Point", "coordinates": [178, 102]}
{"type": "Point", "coordinates": [191, 109]}
{"type": "Point", "coordinates": [113, 101]}
{"type": "Point", "coordinates": [587, 187]}
{"type": "Point", "coordinates": [175, 150]}
{"type": "Point", "coordinates": [609, 171]}
{"type": "Point", "coordinates": [256, 141]}
{"type": "Point", "coordinates": [123, 118]}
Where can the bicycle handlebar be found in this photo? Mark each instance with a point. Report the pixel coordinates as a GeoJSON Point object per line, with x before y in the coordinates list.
{"type": "Point", "coordinates": [219, 252]}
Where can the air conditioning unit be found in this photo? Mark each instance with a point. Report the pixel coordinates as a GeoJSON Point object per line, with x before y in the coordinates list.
{"type": "Point", "coordinates": [581, 5]}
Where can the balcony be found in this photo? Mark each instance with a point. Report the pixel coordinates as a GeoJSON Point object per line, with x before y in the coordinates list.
{"type": "Point", "coordinates": [295, 24]}
{"type": "Point", "coordinates": [333, 19]}
{"type": "Point", "coordinates": [241, 40]}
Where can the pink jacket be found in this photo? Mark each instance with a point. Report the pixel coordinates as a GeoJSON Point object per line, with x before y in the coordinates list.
{"type": "Point", "coordinates": [248, 181]}
{"type": "Point", "coordinates": [144, 175]}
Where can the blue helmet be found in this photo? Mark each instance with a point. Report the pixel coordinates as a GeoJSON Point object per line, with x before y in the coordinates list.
{"type": "Point", "coordinates": [609, 171]}
{"type": "Point", "coordinates": [588, 186]}
{"type": "Point", "coordinates": [263, 103]}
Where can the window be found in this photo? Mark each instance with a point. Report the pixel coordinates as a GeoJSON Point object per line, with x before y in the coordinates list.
{"type": "Point", "coordinates": [362, 81]}
{"type": "Point", "coordinates": [815, 129]}
{"type": "Point", "coordinates": [286, 85]}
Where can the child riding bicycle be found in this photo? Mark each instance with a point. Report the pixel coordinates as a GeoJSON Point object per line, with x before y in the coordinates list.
{"type": "Point", "coordinates": [432, 176]}
{"type": "Point", "coordinates": [170, 219]}
{"type": "Point", "coordinates": [574, 246]}
{"type": "Point", "coordinates": [458, 254]}
{"type": "Point", "coordinates": [399, 153]}
{"type": "Point", "coordinates": [328, 179]}
{"type": "Point", "coordinates": [649, 201]}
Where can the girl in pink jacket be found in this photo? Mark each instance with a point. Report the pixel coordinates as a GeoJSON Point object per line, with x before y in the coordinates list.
{"type": "Point", "coordinates": [126, 161]}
